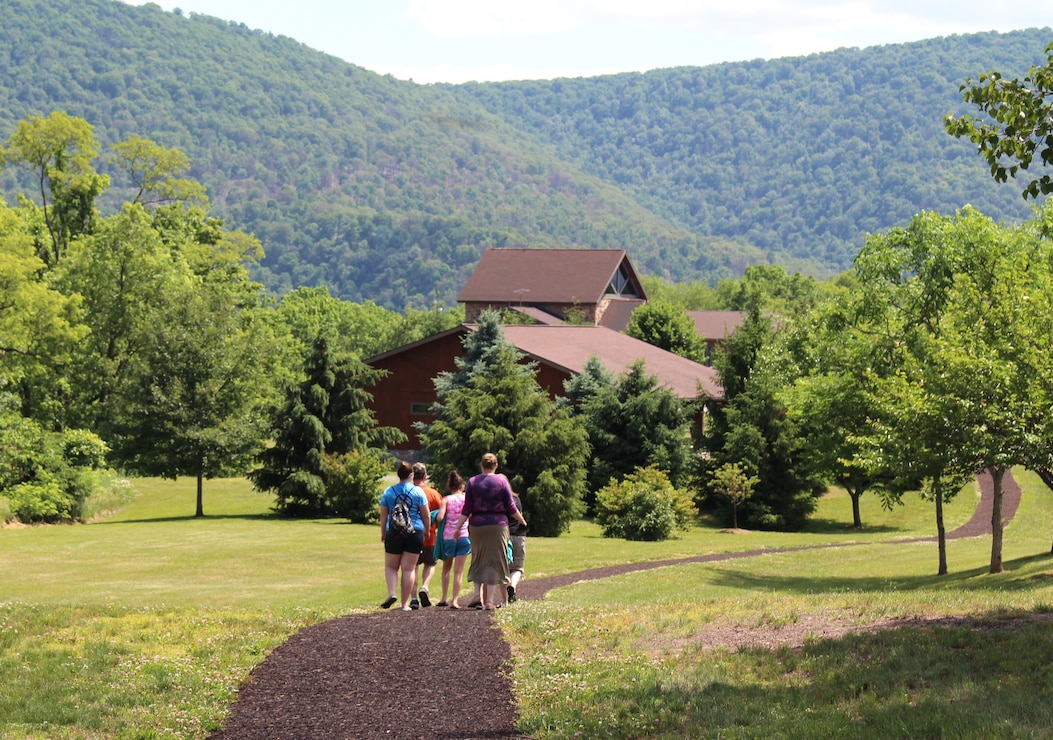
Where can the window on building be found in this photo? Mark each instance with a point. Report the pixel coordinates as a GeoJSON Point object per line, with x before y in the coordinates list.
{"type": "Point", "coordinates": [620, 284]}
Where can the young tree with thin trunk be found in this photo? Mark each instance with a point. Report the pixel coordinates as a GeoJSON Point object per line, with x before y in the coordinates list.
{"type": "Point", "coordinates": [951, 303]}
{"type": "Point", "coordinates": [736, 485]}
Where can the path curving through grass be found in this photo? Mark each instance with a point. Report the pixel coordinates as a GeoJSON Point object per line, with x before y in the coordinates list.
{"type": "Point", "coordinates": [356, 676]}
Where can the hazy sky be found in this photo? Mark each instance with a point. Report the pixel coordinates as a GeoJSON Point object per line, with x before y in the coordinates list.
{"type": "Point", "coordinates": [486, 40]}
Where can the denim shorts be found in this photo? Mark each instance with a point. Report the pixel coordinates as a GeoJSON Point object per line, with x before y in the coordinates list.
{"type": "Point", "coordinates": [456, 548]}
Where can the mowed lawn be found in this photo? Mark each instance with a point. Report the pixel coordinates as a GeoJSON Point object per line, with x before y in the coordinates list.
{"type": "Point", "coordinates": [143, 624]}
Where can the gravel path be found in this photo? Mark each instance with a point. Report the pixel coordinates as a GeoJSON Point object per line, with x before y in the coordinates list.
{"type": "Point", "coordinates": [432, 673]}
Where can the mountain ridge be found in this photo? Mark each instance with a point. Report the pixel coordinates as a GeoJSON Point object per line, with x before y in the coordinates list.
{"type": "Point", "coordinates": [389, 191]}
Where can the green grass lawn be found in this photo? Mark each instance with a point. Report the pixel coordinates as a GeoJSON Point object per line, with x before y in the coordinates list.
{"type": "Point", "coordinates": [144, 623]}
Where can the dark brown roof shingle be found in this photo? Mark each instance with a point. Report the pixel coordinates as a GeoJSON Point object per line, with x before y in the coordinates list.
{"type": "Point", "coordinates": [511, 276]}
{"type": "Point", "coordinates": [569, 347]}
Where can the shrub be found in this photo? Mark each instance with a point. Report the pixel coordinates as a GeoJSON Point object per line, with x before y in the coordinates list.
{"type": "Point", "coordinates": [352, 485]}
{"type": "Point", "coordinates": [40, 501]}
{"type": "Point", "coordinates": [108, 496]}
{"type": "Point", "coordinates": [47, 476]}
{"type": "Point", "coordinates": [300, 495]}
{"type": "Point", "coordinates": [643, 506]}
{"type": "Point", "coordinates": [82, 448]}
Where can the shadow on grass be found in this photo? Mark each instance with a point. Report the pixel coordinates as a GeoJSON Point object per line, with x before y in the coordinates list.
{"type": "Point", "coordinates": [988, 678]}
{"type": "Point", "coordinates": [838, 526]}
{"type": "Point", "coordinates": [192, 518]}
{"type": "Point", "coordinates": [973, 579]}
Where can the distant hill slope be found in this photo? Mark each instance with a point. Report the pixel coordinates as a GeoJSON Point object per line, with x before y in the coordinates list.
{"type": "Point", "coordinates": [799, 156]}
{"type": "Point", "coordinates": [387, 190]}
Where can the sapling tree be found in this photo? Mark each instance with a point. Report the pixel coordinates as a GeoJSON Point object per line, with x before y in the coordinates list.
{"type": "Point", "coordinates": [732, 482]}
{"type": "Point", "coordinates": [949, 303]}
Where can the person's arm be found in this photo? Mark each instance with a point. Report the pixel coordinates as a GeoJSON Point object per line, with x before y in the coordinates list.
{"type": "Point", "coordinates": [467, 507]}
{"type": "Point", "coordinates": [383, 522]}
{"type": "Point", "coordinates": [510, 504]}
{"type": "Point", "coordinates": [518, 516]}
{"type": "Point", "coordinates": [460, 522]}
{"type": "Point", "coordinates": [425, 518]}
{"type": "Point", "coordinates": [442, 510]}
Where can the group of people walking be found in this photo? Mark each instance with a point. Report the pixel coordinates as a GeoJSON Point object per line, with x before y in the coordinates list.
{"type": "Point", "coordinates": [481, 517]}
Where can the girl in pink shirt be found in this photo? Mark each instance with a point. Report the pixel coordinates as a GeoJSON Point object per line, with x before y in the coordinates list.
{"type": "Point", "coordinates": [456, 544]}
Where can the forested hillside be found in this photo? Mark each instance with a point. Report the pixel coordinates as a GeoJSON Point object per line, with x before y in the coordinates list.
{"type": "Point", "coordinates": [799, 156]}
{"type": "Point", "coordinates": [388, 190]}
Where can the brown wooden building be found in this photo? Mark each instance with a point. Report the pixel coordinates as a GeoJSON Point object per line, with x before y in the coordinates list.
{"type": "Point", "coordinates": [595, 289]}
{"type": "Point", "coordinates": [715, 327]}
{"type": "Point", "coordinates": [405, 396]}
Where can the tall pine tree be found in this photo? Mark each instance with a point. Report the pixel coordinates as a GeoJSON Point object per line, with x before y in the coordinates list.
{"type": "Point", "coordinates": [494, 404]}
{"type": "Point", "coordinates": [325, 414]}
{"type": "Point", "coordinates": [632, 423]}
{"type": "Point", "coordinates": [751, 428]}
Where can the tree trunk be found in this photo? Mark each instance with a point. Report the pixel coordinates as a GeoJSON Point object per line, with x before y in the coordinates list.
{"type": "Point", "coordinates": [997, 475]}
{"type": "Point", "coordinates": [200, 502]}
{"type": "Point", "coordinates": [857, 520]}
{"type": "Point", "coordinates": [1047, 478]}
{"type": "Point", "coordinates": [941, 531]}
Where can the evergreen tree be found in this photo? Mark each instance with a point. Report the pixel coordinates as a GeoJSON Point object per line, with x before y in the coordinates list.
{"type": "Point", "coordinates": [593, 378]}
{"type": "Point", "coordinates": [325, 414]}
{"type": "Point", "coordinates": [494, 404]}
{"type": "Point", "coordinates": [751, 428]}
{"type": "Point", "coordinates": [632, 423]}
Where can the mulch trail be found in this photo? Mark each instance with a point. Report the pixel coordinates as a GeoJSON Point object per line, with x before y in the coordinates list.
{"type": "Point", "coordinates": [431, 673]}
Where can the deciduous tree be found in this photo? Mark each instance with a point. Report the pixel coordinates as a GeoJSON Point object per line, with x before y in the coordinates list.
{"type": "Point", "coordinates": [59, 150]}
{"type": "Point", "coordinates": [1019, 123]}
{"type": "Point", "coordinates": [667, 326]}
{"type": "Point", "coordinates": [955, 298]}
{"type": "Point", "coordinates": [199, 391]}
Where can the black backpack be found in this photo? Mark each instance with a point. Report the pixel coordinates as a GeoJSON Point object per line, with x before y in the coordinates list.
{"type": "Point", "coordinates": [401, 520]}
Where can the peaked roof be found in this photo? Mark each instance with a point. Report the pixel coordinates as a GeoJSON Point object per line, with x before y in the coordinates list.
{"type": "Point", "coordinates": [619, 313]}
{"type": "Point", "coordinates": [716, 325]}
{"type": "Point", "coordinates": [568, 347]}
{"type": "Point", "coordinates": [524, 276]}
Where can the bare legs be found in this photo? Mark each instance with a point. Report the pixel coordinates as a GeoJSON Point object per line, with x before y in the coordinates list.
{"type": "Point", "coordinates": [456, 567]}
{"type": "Point", "coordinates": [447, 568]}
{"type": "Point", "coordinates": [458, 578]}
{"type": "Point", "coordinates": [407, 561]}
{"type": "Point", "coordinates": [513, 583]}
{"type": "Point", "coordinates": [425, 577]}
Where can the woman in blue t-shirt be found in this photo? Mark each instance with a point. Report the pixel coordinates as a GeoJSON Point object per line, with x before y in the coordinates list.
{"type": "Point", "coordinates": [401, 550]}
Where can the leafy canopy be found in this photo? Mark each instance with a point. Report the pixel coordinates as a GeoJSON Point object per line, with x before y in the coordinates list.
{"type": "Point", "coordinates": [1021, 126]}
